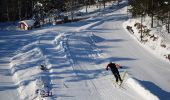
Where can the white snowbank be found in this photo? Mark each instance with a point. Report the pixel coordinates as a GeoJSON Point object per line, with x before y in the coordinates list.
{"type": "Point", "coordinates": [27, 74]}
{"type": "Point", "coordinates": [23, 69]}
{"type": "Point", "coordinates": [141, 90]}
{"type": "Point", "coordinates": [152, 41]}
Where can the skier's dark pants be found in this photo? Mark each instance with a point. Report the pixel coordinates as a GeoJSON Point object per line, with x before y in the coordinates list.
{"type": "Point", "coordinates": [117, 76]}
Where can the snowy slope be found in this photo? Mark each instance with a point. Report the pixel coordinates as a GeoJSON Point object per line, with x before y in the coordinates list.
{"type": "Point", "coordinates": [76, 55]}
{"type": "Point", "coordinates": [151, 72]}
{"type": "Point", "coordinates": [9, 44]}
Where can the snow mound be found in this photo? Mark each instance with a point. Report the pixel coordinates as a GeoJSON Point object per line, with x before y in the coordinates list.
{"type": "Point", "coordinates": [30, 56]}
{"type": "Point", "coordinates": [141, 90]}
{"type": "Point", "coordinates": [28, 75]}
{"type": "Point", "coordinates": [28, 47]}
{"type": "Point", "coordinates": [58, 40]}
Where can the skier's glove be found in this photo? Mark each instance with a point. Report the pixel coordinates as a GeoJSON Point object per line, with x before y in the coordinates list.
{"type": "Point", "coordinates": [121, 67]}
{"type": "Point", "coordinates": [106, 68]}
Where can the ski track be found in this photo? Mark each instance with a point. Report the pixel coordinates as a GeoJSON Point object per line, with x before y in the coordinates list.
{"type": "Point", "coordinates": [76, 69]}
{"type": "Point", "coordinates": [76, 59]}
{"type": "Point", "coordinates": [93, 87]}
{"type": "Point", "coordinates": [68, 81]}
{"type": "Point", "coordinates": [97, 82]}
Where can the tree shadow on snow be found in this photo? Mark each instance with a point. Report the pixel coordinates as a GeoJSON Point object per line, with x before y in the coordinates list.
{"type": "Point", "coordinates": [5, 72]}
{"type": "Point", "coordinates": [83, 49]}
{"type": "Point", "coordinates": [115, 59]}
{"type": "Point", "coordinates": [8, 87]}
{"type": "Point", "coordinates": [156, 90]}
{"type": "Point", "coordinates": [12, 41]}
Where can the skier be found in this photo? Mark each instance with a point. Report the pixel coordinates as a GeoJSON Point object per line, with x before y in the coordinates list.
{"type": "Point", "coordinates": [114, 68]}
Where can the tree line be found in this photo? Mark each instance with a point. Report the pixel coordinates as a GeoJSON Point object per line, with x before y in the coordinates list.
{"type": "Point", "coordinates": [13, 10]}
{"type": "Point", "coordinates": [156, 9]}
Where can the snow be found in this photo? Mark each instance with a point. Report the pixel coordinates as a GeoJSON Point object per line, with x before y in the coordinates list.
{"type": "Point", "coordinates": [143, 92]}
{"type": "Point", "coordinates": [75, 56]}
{"type": "Point", "coordinates": [8, 26]}
{"type": "Point", "coordinates": [27, 74]}
{"type": "Point", "coordinates": [159, 47]}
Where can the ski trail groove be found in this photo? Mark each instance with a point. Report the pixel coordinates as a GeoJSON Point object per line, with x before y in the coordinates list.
{"type": "Point", "coordinates": [89, 83]}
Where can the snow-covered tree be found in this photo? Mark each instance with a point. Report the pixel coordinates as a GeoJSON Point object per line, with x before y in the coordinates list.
{"type": "Point", "coordinates": [38, 12]}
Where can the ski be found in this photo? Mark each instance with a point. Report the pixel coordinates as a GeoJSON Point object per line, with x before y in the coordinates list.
{"type": "Point", "coordinates": [117, 85]}
{"type": "Point", "coordinates": [123, 77]}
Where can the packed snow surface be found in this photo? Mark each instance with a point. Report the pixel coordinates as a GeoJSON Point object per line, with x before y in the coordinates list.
{"type": "Point", "coordinates": [75, 56]}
